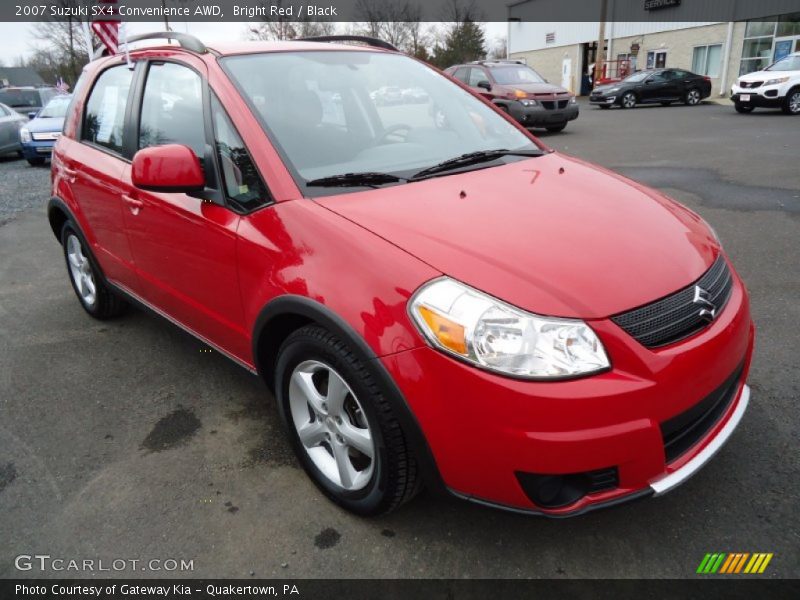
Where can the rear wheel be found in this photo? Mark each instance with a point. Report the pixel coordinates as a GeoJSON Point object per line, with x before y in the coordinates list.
{"type": "Point", "coordinates": [87, 281]}
{"type": "Point", "coordinates": [628, 100]}
{"type": "Point", "coordinates": [341, 425]}
{"type": "Point", "coordinates": [556, 128]}
{"type": "Point", "coordinates": [692, 97]}
{"type": "Point", "coordinates": [36, 162]}
{"type": "Point", "coordinates": [742, 108]}
{"type": "Point", "coordinates": [791, 104]}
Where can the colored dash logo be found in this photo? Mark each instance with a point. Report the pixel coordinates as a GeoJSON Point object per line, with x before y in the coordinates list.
{"type": "Point", "coordinates": [733, 563]}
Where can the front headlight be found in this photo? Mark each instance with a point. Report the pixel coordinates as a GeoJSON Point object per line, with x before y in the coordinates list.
{"type": "Point", "coordinates": [573, 100]}
{"type": "Point", "coordinates": [499, 337]}
{"type": "Point", "coordinates": [24, 134]}
{"type": "Point", "coordinates": [776, 80]}
{"type": "Point", "coordinates": [528, 102]}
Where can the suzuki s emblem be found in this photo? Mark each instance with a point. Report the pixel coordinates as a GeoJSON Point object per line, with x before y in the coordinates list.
{"type": "Point", "coordinates": [708, 310]}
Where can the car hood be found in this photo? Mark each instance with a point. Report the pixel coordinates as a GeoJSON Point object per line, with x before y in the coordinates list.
{"type": "Point", "coordinates": [552, 235]}
{"type": "Point", "coordinates": [764, 75]}
{"type": "Point", "coordinates": [45, 125]}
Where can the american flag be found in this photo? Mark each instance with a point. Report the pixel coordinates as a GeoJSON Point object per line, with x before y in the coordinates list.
{"type": "Point", "coordinates": [107, 31]}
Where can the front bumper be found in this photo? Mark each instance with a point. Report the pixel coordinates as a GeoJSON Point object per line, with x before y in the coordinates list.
{"type": "Point", "coordinates": [765, 96]}
{"type": "Point", "coordinates": [485, 430]}
{"type": "Point", "coordinates": [539, 116]}
{"type": "Point", "coordinates": [38, 149]}
{"type": "Point", "coordinates": [600, 100]}
{"type": "Point", "coordinates": [757, 100]}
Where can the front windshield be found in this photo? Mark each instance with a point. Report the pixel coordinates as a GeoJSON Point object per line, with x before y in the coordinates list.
{"type": "Point", "coordinates": [516, 75]}
{"type": "Point", "coordinates": [337, 112]}
{"type": "Point", "coordinates": [20, 98]}
{"type": "Point", "coordinates": [56, 108]}
{"type": "Point", "coordinates": [789, 63]}
{"type": "Point", "coordinates": [640, 76]}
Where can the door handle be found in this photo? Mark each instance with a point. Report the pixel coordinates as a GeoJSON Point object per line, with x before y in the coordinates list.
{"type": "Point", "coordinates": [134, 205]}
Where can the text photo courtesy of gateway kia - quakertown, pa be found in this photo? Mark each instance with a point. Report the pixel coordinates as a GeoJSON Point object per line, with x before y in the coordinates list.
{"type": "Point", "coordinates": [390, 298]}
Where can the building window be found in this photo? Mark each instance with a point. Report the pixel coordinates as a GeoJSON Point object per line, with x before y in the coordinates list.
{"type": "Point", "coordinates": [766, 40]}
{"type": "Point", "coordinates": [706, 60]}
{"type": "Point", "coordinates": [656, 59]}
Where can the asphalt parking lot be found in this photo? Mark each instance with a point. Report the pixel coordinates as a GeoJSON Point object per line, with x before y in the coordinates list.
{"type": "Point", "coordinates": [128, 439]}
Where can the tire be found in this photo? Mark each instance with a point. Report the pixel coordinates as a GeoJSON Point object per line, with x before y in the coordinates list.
{"type": "Point", "coordinates": [556, 128]}
{"type": "Point", "coordinates": [308, 361]}
{"type": "Point", "coordinates": [791, 104]}
{"type": "Point", "coordinates": [36, 162]}
{"type": "Point", "coordinates": [628, 100]}
{"type": "Point", "coordinates": [84, 273]}
{"type": "Point", "coordinates": [692, 97]}
{"type": "Point", "coordinates": [741, 108]}
{"type": "Point", "coordinates": [20, 154]}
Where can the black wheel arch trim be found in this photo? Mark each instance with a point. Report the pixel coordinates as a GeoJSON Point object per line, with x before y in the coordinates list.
{"type": "Point", "coordinates": [313, 311]}
{"type": "Point", "coordinates": [56, 203]}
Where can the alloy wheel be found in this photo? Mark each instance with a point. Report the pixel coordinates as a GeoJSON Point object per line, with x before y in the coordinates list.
{"type": "Point", "coordinates": [693, 97]}
{"type": "Point", "coordinates": [794, 103]}
{"type": "Point", "coordinates": [80, 270]}
{"type": "Point", "coordinates": [331, 425]}
{"type": "Point", "coordinates": [629, 100]}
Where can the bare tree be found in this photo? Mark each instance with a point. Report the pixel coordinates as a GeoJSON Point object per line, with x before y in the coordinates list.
{"type": "Point", "coordinates": [397, 22]}
{"type": "Point", "coordinates": [498, 48]}
{"type": "Point", "coordinates": [285, 28]}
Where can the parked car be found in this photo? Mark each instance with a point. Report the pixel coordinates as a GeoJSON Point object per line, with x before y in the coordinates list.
{"type": "Point", "coordinates": [777, 86]}
{"type": "Point", "coordinates": [424, 309]}
{"type": "Point", "coordinates": [521, 92]}
{"type": "Point", "coordinates": [27, 100]}
{"type": "Point", "coordinates": [10, 122]}
{"type": "Point", "coordinates": [662, 86]}
{"type": "Point", "coordinates": [39, 135]}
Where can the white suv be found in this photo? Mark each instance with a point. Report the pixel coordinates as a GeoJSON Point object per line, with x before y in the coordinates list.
{"type": "Point", "coordinates": [777, 86]}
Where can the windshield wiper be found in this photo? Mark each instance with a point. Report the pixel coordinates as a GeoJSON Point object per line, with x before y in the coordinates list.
{"type": "Point", "coordinates": [369, 179]}
{"type": "Point", "coordinates": [472, 158]}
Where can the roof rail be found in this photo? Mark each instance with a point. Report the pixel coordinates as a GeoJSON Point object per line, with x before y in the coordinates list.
{"type": "Point", "coordinates": [186, 41]}
{"type": "Point", "coordinates": [369, 41]}
{"type": "Point", "coordinates": [510, 61]}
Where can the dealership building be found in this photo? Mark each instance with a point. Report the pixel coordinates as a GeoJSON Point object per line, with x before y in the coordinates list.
{"type": "Point", "coordinates": [642, 34]}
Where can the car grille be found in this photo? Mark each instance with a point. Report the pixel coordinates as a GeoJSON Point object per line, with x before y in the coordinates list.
{"type": "Point", "coordinates": [550, 104]}
{"type": "Point", "coordinates": [750, 84]}
{"type": "Point", "coordinates": [678, 316]}
{"type": "Point", "coordinates": [683, 431]}
{"type": "Point", "coordinates": [42, 137]}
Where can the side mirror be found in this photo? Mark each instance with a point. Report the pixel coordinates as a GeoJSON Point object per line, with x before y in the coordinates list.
{"type": "Point", "coordinates": [32, 114]}
{"type": "Point", "coordinates": [485, 85]}
{"type": "Point", "coordinates": [168, 168]}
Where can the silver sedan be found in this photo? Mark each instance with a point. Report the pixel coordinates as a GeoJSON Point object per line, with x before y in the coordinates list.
{"type": "Point", "coordinates": [10, 122]}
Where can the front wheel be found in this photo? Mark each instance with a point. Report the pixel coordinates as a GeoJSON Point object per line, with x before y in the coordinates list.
{"type": "Point", "coordinates": [692, 97]}
{"type": "Point", "coordinates": [556, 128]}
{"type": "Point", "coordinates": [791, 105]}
{"type": "Point", "coordinates": [628, 100]}
{"type": "Point", "coordinates": [742, 108]}
{"type": "Point", "coordinates": [341, 425]}
{"type": "Point", "coordinates": [87, 281]}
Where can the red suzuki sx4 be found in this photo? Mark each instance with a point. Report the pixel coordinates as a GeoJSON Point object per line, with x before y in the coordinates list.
{"type": "Point", "coordinates": [434, 297]}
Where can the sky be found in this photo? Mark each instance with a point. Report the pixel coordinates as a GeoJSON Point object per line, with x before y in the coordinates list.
{"type": "Point", "coordinates": [18, 38]}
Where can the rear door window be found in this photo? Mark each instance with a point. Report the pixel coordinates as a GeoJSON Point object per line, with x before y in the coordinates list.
{"type": "Point", "coordinates": [172, 108]}
{"type": "Point", "coordinates": [104, 120]}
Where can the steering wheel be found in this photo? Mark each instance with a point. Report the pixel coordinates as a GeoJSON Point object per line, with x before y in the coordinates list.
{"type": "Point", "coordinates": [393, 130]}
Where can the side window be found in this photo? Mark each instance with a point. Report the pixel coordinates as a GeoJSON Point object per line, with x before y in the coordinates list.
{"type": "Point", "coordinates": [172, 108]}
{"type": "Point", "coordinates": [104, 119]}
{"type": "Point", "coordinates": [476, 75]}
{"type": "Point", "coordinates": [462, 74]}
{"type": "Point", "coordinates": [243, 184]}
